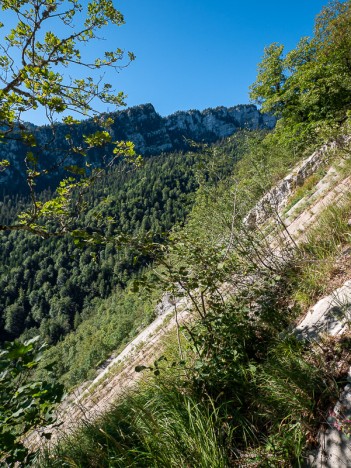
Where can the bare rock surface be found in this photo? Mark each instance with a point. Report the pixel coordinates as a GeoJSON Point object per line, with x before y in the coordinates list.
{"type": "Point", "coordinates": [275, 200]}
{"type": "Point", "coordinates": [335, 446]}
{"type": "Point", "coordinates": [331, 315]}
{"type": "Point", "coordinates": [334, 450]}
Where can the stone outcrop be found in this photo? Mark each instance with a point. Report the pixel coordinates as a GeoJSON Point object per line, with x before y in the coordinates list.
{"type": "Point", "coordinates": [278, 196]}
{"type": "Point", "coordinates": [153, 134]}
{"type": "Point", "coordinates": [331, 316]}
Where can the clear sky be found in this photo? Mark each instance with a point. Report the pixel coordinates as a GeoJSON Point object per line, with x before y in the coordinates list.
{"type": "Point", "coordinates": [194, 54]}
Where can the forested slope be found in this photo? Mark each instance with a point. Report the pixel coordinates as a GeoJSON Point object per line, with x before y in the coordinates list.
{"type": "Point", "coordinates": [49, 283]}
{"type": "Point", "coordinates": [53, 286]}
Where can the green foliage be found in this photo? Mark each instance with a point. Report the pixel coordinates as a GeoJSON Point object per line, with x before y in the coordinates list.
{"type": "Point", "coordinates": [319, 253]}
{"type": "Point", "coordinates": [24, 403]}
{"type": "Point", "coordinates": [103, 328]}
{"type": "Point", "coordinates": [273, 388]}
{"type": "Point", "coordinates": [79, 291]}
{"type": "Point", "coordinates": [58, 278]}
{"type": "Point", "coordinates": [270, 79]}
{"type": "Point", "coordinates": [158, 427]}
{"type": "Point", "coordinates": [4, 164]}
{"type": "Point", "coordinates": [37, 80]}
{"type": "Point", "coordinates": [33, 63]}
{"type": "Point", "coordinates": [305, 190]}
{"type": "Point", "coordinates": [247, 390]}
{"type": "Point", "coordinates": [310, 87]}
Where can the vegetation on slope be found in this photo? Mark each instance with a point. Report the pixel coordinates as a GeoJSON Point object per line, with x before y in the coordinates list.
{"type": "Point", "coordinates": [244, 389]}
{"type": "Point", "coordinates": [258, 392]}
{"type": "Point", "coordinates": [243, 381]}
{"type": "Point", "coordinates": [47, 284]}
{"type": "Point", "coordinates": [57, 289]}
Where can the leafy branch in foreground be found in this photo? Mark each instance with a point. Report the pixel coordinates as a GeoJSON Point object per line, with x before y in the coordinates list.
{"type": "Point", "coordinates": [24, 403]}
{"type": "Point", "coordinates": [33, 77]}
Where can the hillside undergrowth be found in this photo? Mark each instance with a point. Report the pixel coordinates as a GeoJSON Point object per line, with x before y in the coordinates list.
{"type": "Point", "coordinates": [258, 392]}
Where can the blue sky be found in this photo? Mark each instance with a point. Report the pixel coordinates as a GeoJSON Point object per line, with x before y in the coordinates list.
{"type": "Point", "coordinates": [194, 54]}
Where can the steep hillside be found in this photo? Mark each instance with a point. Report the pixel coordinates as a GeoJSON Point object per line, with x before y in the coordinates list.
{"type": "Point", "coordinates": [289, 214]}
{"type": "Point", "coordinates": [52, 286]}
{"type": "Point", "coordinates": [231, 338]}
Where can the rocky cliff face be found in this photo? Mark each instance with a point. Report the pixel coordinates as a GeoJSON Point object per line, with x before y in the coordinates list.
{"type": "Point", "coordinates": [151, 134]}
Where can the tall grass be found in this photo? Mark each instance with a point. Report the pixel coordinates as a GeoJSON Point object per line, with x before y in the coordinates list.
{"type": "Point", "coordinates": [319, 252]}
{"type": "Point", "coordinates": [156, 427]}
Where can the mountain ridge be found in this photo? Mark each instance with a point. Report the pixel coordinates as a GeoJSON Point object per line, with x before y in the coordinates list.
{"type": "Point", "coordinates": [208, 125]}
{"type": "Point", "coordinates": [150, 133]}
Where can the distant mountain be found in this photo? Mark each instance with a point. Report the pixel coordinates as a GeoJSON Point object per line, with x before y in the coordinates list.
{"type": "Point", "coordinates": [151, 134]}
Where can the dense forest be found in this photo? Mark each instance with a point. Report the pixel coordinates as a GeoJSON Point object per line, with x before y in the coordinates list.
{"type": "Point", "coordinates": [47, 284]}
{"type": "Point", "coordinates": [233, 385]}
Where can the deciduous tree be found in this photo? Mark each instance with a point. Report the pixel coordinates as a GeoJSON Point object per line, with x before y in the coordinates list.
{"type": "Point", "coordinates": [41, 47]}
{"type": "Point", "coordinates": [310, 87]}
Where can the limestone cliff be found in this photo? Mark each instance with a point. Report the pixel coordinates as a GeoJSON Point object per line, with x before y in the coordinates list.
{"type": "Point", "coordinates": [153, 134]}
